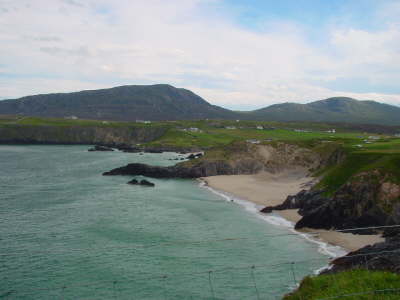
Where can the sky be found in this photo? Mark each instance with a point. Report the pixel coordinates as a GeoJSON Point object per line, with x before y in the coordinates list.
{"type": "Point", "coordinates": [239, 54]}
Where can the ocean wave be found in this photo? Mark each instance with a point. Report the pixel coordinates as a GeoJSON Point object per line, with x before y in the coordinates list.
{"type": "Point", "coordinates": [277, 220]}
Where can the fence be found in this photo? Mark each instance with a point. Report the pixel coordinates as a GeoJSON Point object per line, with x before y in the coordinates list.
{"type": "Point", "coordinates": [116, 289]}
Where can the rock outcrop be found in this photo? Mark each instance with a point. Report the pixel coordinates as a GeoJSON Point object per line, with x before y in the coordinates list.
{"type": "Point", "coordinates": [383, 256]}
{"type": "Point", "coordinates": [238, 158]}
{"type": "Point", "coordinates": [142, 182]}
{"type": "Point", "coordinates": [100, 148]}
{"type": "Point", "coordinates": [368, 199]}
{"type": "Point", "coordinates": [178, 171]}
{"type": "Point", "coordinates": [305, 201]}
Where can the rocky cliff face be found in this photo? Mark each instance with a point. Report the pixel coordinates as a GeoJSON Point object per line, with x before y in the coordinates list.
{"type": "Point", "coordinates": [240, 158]}
{"type": "Point", "coordinates": [78, 135]}
{"type": "Point", "coordinates": [368, 199]}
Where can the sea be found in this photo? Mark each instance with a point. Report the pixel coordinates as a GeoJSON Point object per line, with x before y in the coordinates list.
{"type": "Point", "coordinates": [67, 232]}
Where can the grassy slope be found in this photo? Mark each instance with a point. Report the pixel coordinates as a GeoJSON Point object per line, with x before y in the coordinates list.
{"type": "Point", "coordinates": [349, 282]}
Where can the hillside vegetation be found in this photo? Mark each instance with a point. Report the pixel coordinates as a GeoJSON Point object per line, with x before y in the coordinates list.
{"type": "Point", "coordinates": [162, 102]}
{"type": "Point", "coordinates": [338, 109]}
{"type": "Point", "coordinates": [354, 284]}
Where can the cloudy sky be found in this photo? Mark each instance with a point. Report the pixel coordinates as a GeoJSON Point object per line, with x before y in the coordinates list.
{"type": "Point", "coordinates": [240, 54]}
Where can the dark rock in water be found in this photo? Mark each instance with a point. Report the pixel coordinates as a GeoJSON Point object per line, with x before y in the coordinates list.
{"type": "Point", "coordinates": [146, 183]}
{"type": "Point", "coordinates": [129, 149]}
{"type": "Point", "coordinates": [193, 156]}
{"type": "Point", "coordinates": [383, 256]}
{"type": "Point", "coordinates": [202, 169]}
{"type": "Point", "coordinates": [154, 151]}
{"type": "Point", "coordinates": [100, 148]}
{"type": "Point", "coordinates": [133, 181]}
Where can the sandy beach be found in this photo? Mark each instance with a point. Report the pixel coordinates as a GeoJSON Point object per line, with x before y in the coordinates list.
{"type": "Point", "coordinates": [272, 189]}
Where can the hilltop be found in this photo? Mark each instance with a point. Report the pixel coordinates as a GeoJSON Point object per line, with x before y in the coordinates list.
{"type": "Point", "coordinates": [124, 103]}
{"type": "Point", "coordinates": [337, 109]}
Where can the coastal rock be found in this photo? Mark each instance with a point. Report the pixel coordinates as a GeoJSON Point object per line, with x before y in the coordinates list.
{"type": "Point", "coordinates": [368, 199]}
{"type": "Point", "coordinates": [383, 256]}
{"type": "Point", "coordinates": [201, 169]}
{"type": "Point", "coordinates": [129, 149]}
{"type": "Point", "coordinates": [193, 156]}
{"type": "Point", "coordinates": [304, 201]}
{"type": "Point", "coordinates": [142, 182]}
{"type": "Point", "coordinates": [100, 148]}
{"type": "Point", "coordinates": [146, 183]}
{"type": "Point", "coordinates": [79, 135]}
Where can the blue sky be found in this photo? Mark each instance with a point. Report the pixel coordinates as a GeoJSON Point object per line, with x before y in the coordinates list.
{"type": "Point", "coordinates": [235, 53]}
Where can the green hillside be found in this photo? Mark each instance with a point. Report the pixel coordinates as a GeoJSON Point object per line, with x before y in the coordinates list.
{"type": "Point", "coordinates": [338, 109]}
{"type": "Point", "coordinates": [124, 103]}
{"type": "Point", "coordinates": [163, 102]}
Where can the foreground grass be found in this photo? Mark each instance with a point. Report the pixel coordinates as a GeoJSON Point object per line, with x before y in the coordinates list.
{"type": "Point", "coordinates": [355, 284]}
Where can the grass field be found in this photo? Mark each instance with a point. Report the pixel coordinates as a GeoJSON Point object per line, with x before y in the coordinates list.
{"type": "Point", "coordinates": [355, 284]}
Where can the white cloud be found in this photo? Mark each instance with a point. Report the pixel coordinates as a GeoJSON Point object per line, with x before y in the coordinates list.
{"type": "Point", "coordinates": [90, 44]}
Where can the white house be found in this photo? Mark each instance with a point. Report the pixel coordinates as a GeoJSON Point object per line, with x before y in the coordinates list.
{"type": "Point", "coordinates": [230, 127]}
{"type": "Point", "coordinates": [194, 129]}
{"type": "Point", "coordinates": [260, 127]}
{"type": "Point", "coordinates": [252, 141]}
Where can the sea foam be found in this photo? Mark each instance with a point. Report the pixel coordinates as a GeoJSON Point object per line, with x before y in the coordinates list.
{"type": "Point", "coordinates": [277, 220]}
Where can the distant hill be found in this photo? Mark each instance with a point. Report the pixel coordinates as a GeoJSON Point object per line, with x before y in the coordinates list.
{"type": "Point", "coordinates": [162, 102]}
{"type": "Point", "coordinates": [337, 109]}
{"type": "Point", "coordinates": [124, 103]}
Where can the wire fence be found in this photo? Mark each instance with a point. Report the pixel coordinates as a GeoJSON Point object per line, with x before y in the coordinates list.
{"type": "Point", "coordinates": [211, 287]}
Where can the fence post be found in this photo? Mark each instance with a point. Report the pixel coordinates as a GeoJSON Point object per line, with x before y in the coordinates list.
{"type": "Point", "coordinates": [164, 287]}
{"type": "Point", "coordinates": [254, 281]}
{"type": "Point", "coordinates": [211, 286]}
{"type": "Point", "coordinates": [293, 273]}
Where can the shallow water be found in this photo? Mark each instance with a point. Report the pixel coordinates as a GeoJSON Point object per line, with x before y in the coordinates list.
{"type": "Point", "coordinates": [67, 232]}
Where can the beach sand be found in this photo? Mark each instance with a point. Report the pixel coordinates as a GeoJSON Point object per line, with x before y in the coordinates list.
{"type": "Point", "coordinates": [272, 189]}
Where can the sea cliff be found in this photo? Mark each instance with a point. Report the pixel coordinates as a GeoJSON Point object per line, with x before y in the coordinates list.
{"type": "Point", "coordinates": [105, 135]}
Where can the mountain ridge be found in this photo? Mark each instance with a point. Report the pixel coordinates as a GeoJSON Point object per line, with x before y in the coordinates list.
{"type": "Point", "coordinates": [162, 102]}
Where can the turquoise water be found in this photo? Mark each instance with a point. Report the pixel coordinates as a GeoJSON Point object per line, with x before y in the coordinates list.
{"type": "Point", "coordinates": [66, 232]}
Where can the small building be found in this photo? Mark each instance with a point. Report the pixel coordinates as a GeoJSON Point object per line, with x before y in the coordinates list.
{"type": "Point", "coordinates": [230, 127]}
{"type": "Point", "coordinates": [300, 130]}
{"type": "Point", "coordinates": [331, 131]}
{"type": "Point", "coordinates": [253, 141]}
{"type": "Point", "coordinates": [260, 127]}
{"type": "Point", "coordinates": [71, 118]}
{"type": "Point", "coordinates": [373, 137]}
{"type": "Point", "coordinates": [193, 129]}
{"type": "Point", "coordinates": [143, 121]}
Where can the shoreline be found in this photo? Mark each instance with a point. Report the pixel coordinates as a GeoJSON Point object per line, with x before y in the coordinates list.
{"type": "Point", "coordinates": [265, 189]}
